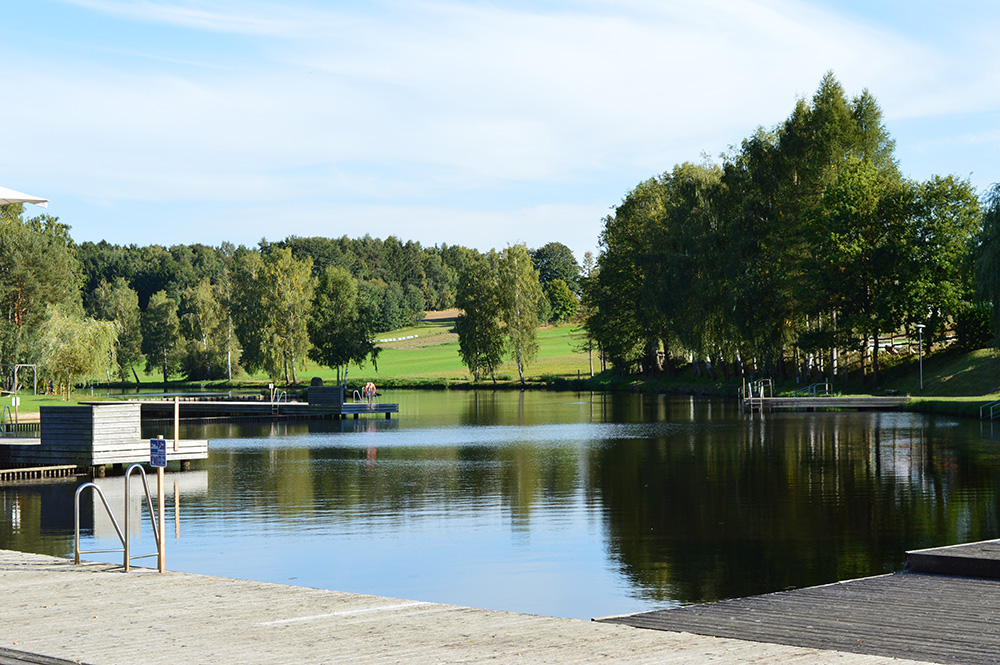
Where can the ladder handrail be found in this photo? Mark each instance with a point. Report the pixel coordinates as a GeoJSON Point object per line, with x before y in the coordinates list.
{"type": "Point", "coordinates": [991, 406]}
{"type": "Point", "coordinates": [122, 537]}
{"type": "Point", "coordinates": [152, 515]}
{"type": "Point", "coordinates": [76, 522]}
{"type": "Point", "coordinates": [812, 390]}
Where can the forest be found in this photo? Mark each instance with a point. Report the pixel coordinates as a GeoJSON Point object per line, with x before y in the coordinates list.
{"type": "Point", "coordinates": [805, 252]}
{"type": "Point", "coordinates": [111, 313]}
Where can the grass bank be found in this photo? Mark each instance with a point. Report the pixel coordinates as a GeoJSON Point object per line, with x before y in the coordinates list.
{"type": "Point", "coordinates": [426, 356]}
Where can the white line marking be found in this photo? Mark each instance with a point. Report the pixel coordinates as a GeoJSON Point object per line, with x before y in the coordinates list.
{"type": "Point", "coordinates": [345, 613]}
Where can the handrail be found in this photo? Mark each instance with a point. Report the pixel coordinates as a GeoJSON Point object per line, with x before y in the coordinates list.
{"type": "Point", "coordinates": [123, 538]}
{"type": "Point", "coordinates": [812, 390]}
{"type": "Point", "coordinates": [76, 522]}
{"type": "Point", "coordinates": [152, 515]}
{"type": "Point", "coordinates": [991, 406]}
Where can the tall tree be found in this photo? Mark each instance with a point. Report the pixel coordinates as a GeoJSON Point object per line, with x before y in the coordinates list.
{"type": "Point", "coordinates": [119, 303]}
{"type": "Point", "coordinates": [520, 294]}
{"type": "Point", "coordinates": [987, 257]}
{"type": "Point", "coordinates": [479, 327]}
{"type": "Point", "coordinates": [38, 268]}
{"type": "Point", "coordinates": [161, 335]}
{"type": "Point", "coordinates": [341, 328]}
{"type": "Point", "coordinates": [271, 310]}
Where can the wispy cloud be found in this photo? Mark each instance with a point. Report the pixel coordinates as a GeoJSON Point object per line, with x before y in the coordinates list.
{"type": "Point", "coordinates": [412, 105]}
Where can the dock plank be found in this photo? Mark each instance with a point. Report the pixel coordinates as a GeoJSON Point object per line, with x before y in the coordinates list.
{"type": "Point", "coordinates": [950, 620]}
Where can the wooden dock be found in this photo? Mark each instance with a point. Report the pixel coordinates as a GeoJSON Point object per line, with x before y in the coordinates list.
{"type": "Point", "coordinates": [91, 435]}
{"type": "Point", "coordinates": [94, 613]}
{"type": "Point", "coordinates": [152, 409]}
{"type": "Point", "coordinates": [855, 403]}
{"type": "Point", "coordinates": [950, 617]}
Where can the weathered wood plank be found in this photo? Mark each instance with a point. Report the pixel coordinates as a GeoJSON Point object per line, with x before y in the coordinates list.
{"type": "Point", "coordinates": [906, 615]}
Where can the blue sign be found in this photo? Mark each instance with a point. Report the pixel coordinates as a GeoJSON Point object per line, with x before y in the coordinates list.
{"type": "Point", "coordinates": [158, 452]}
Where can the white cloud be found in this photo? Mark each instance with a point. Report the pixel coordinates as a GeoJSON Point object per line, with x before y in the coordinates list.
{"type": "Point", "coordinates": [410, 106]}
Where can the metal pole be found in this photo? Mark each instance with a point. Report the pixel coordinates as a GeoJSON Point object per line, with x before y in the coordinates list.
{"type": "Point", "coordinates": [177, 423]}
{"type": "Point", "coordinates": [161, 563]}
{"type": "Point", "coordinates": [920, 353]}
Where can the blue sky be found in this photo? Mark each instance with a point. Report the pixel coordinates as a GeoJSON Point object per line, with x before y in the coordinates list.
{"type": "Point", "coordinates": [473, 123]}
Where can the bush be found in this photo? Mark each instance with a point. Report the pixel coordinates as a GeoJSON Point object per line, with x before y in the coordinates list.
{"type": "Point", "coordinates": [972, 326]}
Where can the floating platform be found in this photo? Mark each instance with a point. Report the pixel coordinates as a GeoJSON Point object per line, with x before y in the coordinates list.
{"type": "Point", "coordinates": [859, 403]}
{"type": "Point", "coordinates": [323, 402]}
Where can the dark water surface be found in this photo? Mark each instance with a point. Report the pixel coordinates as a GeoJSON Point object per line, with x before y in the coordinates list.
{"type": "Point", "coordinates": [564, 504]}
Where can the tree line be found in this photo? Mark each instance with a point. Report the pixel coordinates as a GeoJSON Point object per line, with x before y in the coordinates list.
{"type": "Point", "coordinates": [799, 254]}
{"type": "Point", "coordinates": [196, 312]}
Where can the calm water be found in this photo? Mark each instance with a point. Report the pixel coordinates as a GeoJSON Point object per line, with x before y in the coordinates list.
{"type": "Point", "coordinates": [562, 504]}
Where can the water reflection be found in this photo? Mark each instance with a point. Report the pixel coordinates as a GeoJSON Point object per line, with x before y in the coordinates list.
{"type": "Point", "coordinates": [558, 503]}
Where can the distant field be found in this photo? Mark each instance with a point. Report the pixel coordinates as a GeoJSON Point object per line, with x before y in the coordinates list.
{"type": "Point", "coordinates": [433, 355]}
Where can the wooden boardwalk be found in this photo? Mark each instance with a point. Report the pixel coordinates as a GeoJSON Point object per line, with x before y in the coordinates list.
{"type": "Point", "coordinates": [857, 403]}
{"type": "Point", "coordinates": [94, 613]}
{"type": "Point", "coordinates": [254, 408]}
{"type": "Point", "coordinates": [934, 618]}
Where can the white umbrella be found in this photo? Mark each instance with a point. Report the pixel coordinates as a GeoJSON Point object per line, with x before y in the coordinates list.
{"type": "Point", "coordinates": [8, 196]}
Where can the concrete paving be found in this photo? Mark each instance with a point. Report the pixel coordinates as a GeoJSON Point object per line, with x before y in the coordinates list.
{"type": "Point", "coordinates": [96, 614]}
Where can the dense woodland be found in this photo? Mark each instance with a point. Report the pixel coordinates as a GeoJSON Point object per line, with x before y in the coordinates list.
{"type": "Point", "coordinates": [194, 312]}
{"type": "Point", "coordinates": [801, 253]}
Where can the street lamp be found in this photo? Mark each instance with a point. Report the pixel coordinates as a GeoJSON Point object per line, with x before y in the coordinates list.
{"type": "Point", "coordinates": [920, 353]}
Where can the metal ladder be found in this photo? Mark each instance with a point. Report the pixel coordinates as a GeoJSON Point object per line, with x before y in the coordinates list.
{"type": "Point", "coordinates": [124, 538]}
{"type": "Point", "coordinates": [276, 402]}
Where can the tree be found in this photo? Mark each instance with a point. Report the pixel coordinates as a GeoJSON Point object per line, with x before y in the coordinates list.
{"type": "Point", "coordinates": [520, 293]}
{"type": "Point", "coordinates": [37, 269]}
{"type": "Point", "coordinates": [479, 327]}
{"type": "Point", "coordinates": [555, 260]}
{"type": "Point", "coordinates": [865, 250]}
{"type": "Point", "coordinates": [119, 303]}
{"type": "Point", "coordinates": [74, 347]}
{"type": "Point", "coordinates": [204, 323]}
{"type": "Point", "coordinates": [987, 257]}
{"type": "Point", "coordinates": [161, 334]}
{"type": "Point", "coordinates": [271, 310]}
{"type": "Point", "coordinates": [562, 302]}
{"type": "Point", "coordinates": [341, 328]}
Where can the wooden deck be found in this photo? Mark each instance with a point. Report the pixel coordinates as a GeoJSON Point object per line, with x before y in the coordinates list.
{"type": "Point", "coordinates": [91, 435]}
{"type": "Point", "coordinates": [94, 613]}
{"type": "Point", "coordinates": [980, 559]}
{"type": "Point", "coordinates": [858, 403]}
{"type": "Point", "coordinates": [252, 408]}
{"type": "Point", "coordinates": [932, 618]}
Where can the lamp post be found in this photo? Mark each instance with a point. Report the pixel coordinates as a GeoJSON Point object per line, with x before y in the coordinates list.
{"type": "Point", "coordinates": [920, 353]}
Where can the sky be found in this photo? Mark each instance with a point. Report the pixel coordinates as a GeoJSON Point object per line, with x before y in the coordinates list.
{"type": "Point", "coordinates": [476, 123]}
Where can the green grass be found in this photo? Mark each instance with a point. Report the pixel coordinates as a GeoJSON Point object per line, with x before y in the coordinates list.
{"type": "Point", "coordinates": [954, 382]}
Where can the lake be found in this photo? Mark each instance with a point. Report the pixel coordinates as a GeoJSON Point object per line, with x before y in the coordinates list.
{"type": "Point", "coordinates": [555, 503]}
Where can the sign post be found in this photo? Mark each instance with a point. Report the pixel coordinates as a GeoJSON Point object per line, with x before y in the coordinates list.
{"type": "Point", "coordinates": [158, 459]}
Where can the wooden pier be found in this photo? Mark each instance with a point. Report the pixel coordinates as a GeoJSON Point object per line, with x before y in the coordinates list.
{"type": "Point", "coordinates": [855, 403]}
{"type": "Point", "coordinates": [950, 616]}
{"type": "Point", "coordinates": [94, 613]}
{"type": "Point", "coordinates": [19, 475]}
{"type": "Point", "coordinates": [322, 402]}
{"type": "Point", "coordinates": [92, 436]}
